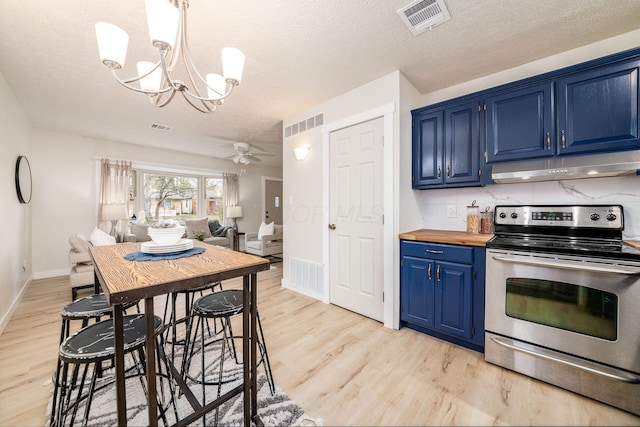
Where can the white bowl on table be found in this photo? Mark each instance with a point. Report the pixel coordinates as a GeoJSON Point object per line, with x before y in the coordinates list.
{"type": "Point", "coordinates": [166, 236]}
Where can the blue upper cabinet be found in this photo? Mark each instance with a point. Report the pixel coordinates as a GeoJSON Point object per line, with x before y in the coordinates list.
{"type": "Point", "coordinates": [519, 124]}
{"type": "Point", "coordinates": [598, 109]}
{"type": "Point", "coordinates": [462, 144]}
{"type": "Point", "coordinates": [427, 149]}
{"type": "Point", "coordinates": [447, 146]}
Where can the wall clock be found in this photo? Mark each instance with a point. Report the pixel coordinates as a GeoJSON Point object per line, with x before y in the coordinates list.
{"type": "Point", "coordinates": [23, 179]}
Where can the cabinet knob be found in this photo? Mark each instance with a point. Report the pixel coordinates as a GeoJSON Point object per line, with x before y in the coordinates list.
{"type": "Point", "coordinates": [562, 138]}
{"type": "Point", "coordinates": [332, 226]}
{"type": "Point", "coordinates": [448, 171]}
{"type": "Point", "coordinates": [439, 172]}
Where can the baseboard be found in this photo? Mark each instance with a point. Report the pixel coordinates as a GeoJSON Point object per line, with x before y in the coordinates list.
{"type": "Point", "coordinates": [287, 285]}
{"type": "Point", "coordinates": [14, 305]}
{"type": "Point", "coordinates": [51, 273]}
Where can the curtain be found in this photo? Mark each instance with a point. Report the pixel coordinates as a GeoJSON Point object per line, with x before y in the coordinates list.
{"type": "Point", "coordinates": [114, 190]}
{"type": "Point", "coordinates": [229, 195]}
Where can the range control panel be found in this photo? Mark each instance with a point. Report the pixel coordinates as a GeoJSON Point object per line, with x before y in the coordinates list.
{"type": "Point", "coordinates": [577, 216]}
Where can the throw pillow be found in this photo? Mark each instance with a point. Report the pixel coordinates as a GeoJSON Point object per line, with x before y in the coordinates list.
{"type": "Point", "coordinates": [79, 243]}
{"type": "Point", "coordinates": [196, 227]}
{"type": "Point", "coordinates": [265, 229]}
{"type": "Point", "coordinates": [100, 238]}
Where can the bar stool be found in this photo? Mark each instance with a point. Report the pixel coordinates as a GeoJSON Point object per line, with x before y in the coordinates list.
{"type": "Point", "coordinates": [172, 322]}
{"type": "Point", "coordinates": [220, 305]}
{"type": "Point", "coordinates": [94, 344]}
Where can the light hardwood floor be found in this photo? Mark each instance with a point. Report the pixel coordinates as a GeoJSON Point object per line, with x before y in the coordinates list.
{"type": "Point", "coordinates": [339, 366]}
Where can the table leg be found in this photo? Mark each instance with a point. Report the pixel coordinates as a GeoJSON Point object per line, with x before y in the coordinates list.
{"type": "Point", "coordinates": [150, 344]}
{"type": "Point", "coordinates": [246, 304]}
{"type": "Point", "coordinates": [118, 337]}
{"type": "Point", "coordinates": [96, 283]}
{"type": "Point", "coordinates": [253, 282]}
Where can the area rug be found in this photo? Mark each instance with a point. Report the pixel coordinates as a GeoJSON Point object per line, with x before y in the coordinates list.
{"type": "Point", "coordinates": [275, 409]}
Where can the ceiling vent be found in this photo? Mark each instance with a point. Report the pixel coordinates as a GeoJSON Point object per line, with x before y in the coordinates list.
{"type": "Point", "coordinates": [164, 128]}
{"type": "Point", "coordinates": [422, 15]}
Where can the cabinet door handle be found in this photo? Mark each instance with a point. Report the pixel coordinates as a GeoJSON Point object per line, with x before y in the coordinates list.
{"type": "Point", "coordinates": [548, 141]}
{"type": "Point", "coordinates": [438, 273]}
{"type": "Point", "coordinates": [431, 251]}
{"type": "Point", "coordinates": [429, 272]}
{"type": "Point", "coordinates": [562, 138]}
{"type": "Point", "coordinates": [448, 171]}
{"type": "Point", "coordinates": [439, 172]}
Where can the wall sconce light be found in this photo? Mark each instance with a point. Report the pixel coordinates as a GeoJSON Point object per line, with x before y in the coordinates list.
{"type": "Point", "coordinates": [301, 153]}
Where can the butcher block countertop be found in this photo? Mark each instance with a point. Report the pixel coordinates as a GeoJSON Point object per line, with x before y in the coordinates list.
{"type": "Point", "coordinates": [446, 236]}
{"type": "Point", "coordinates": [633, 243]}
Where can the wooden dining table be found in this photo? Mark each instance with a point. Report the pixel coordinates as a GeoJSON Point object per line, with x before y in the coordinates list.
{"type": "Point", "coordinates": [126, 281]}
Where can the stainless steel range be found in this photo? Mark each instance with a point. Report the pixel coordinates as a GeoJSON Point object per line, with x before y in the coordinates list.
{"type": "Point", "coordinates": [563, 300]}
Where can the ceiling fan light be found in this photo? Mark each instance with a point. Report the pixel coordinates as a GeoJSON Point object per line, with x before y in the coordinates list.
{"type": "Point", "coordinates": [152, 81]}
{"type": "Point", "coordinates": [163, 19]}
{"type": "Point", "coordinates": [216, 86]}
{"type": "Point", "coordinates": [232, 63]}
{"type": "Point", "coordinates": [112, 44]}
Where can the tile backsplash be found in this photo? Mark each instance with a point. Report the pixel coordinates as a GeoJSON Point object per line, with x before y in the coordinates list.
{"type": "Point", "coordinates": [623, 191]}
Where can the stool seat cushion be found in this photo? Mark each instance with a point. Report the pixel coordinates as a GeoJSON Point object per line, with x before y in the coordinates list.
{"type": "Point", "coordinates": [95, 342]}
{"type": "Point", "coordinates": [219, 304]}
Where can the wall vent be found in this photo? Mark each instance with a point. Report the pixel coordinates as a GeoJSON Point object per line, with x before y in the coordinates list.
{"type": "Point", "coordinates": [306, 275]}
{"type": "Point", "coordinates": [422, 15]}
{"type": "Point", "coordinates": [164, 128]}
{"type": "Point", "coordinates": [304, 125]}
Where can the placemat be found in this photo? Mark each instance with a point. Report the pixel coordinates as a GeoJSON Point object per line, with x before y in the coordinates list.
{"type": "Point", "coordinates": [141, 256]}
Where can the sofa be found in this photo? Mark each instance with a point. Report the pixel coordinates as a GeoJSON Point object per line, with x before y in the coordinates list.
{"type": "Point", "coordinates": [217, 234]}
{"type": "Point", "coordinates": [209, 231]}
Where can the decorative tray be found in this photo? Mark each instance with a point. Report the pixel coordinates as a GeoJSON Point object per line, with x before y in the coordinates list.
{"type": "Point", "coordinates": [152, 247]}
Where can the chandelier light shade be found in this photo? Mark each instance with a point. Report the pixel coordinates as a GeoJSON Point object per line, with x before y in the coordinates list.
{"type": "Point", "coordinates": [167, 22]}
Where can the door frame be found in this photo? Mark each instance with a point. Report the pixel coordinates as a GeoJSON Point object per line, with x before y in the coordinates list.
{"type": "Point", "coordinates": [387, 112]}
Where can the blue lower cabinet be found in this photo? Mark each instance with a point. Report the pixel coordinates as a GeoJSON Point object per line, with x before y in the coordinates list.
{"type": "Point", "coordinates": [442, 291]}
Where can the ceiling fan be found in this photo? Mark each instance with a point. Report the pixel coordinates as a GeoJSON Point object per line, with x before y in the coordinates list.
{"type": "Point", "coordinates": [244, 155]}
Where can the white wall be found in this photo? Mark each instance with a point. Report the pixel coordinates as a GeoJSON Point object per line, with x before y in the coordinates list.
{"type": "Point", "coordinates": [620, 190]}
{"type": "Point", "coordinates": [65, 189]}
{"type": "Point", "coordinates": [15, 226]}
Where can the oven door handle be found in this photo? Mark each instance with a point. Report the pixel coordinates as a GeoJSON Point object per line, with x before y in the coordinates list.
{"type": "Point", "coordinates": [571, 265]}
{"type": "Point", "coordinates": [565, 359]}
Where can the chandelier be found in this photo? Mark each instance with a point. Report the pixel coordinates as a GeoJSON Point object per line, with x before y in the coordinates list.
{"type": "Point", "coordinates": [167, 21]}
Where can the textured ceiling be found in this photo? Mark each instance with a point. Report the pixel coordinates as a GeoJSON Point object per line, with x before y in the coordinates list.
{"type": "Point", "coordinates": [299, 54]}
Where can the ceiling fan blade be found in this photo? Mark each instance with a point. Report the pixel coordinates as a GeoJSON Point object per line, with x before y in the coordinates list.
{"type": "Point", "coordinates": [252, 158]}
{"type": "Point", "coordinates": [263, 154]}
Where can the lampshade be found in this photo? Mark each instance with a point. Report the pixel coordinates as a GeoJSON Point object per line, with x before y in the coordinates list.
{"type": "Point", "coordinates": [112, 44]}
{"type": "Point", "coordinates": [301, 152]}
{"type": "Point", "coordinates": [114, 212]}
{"type": "Point", "coordinates": [216, 86]}
{"type": "Point", "coordinates": [232, 63]}
{"type": "Point", "coordinates": [163, 19]}
{"type": "Point", "coordinates": [152, 81]}
{"type": "Point", "coordinates": [234, 212]}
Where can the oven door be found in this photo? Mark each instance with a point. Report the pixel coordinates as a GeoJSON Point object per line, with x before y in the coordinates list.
{"type": "Point", "coordinates": [585, 307]}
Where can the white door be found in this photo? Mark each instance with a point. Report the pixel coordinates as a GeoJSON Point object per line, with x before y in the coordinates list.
{"type": "Point", "coordinates": [356, 218]}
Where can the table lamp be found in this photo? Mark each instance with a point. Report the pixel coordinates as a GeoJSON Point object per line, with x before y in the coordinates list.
{"type": "Point", "coordinates": [234, 212]}
{"type": "Point", "coordinates": [114, 213]}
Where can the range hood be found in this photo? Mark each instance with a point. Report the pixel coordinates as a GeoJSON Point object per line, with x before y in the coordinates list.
{"type": "Point", "coordinates": [574, 167]}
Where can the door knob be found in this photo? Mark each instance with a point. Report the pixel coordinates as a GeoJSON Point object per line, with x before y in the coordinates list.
{"type": "Point", "coordinates": [332, 226]}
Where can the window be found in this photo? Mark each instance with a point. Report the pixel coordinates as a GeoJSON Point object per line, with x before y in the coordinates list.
{"type": "Point", "coordinates": [167, 195]}
{"type": "Point", "coordinates": [213, 198]}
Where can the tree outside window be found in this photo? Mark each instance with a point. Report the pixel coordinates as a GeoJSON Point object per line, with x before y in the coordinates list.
{"type": "Point", "coordinates": [213, 196]}
{"type": "Point", "coordinates": [170, 196]}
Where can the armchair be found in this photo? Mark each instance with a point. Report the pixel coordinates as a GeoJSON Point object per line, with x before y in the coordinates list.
{"type": "Point", "coordinates": [269, 244]}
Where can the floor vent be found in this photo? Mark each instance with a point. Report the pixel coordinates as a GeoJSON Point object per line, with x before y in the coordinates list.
{"type": "Point", "coordinates": [304, 125]}
{"type": "Point", "coordinates": [306, 275]}
{"type": "Point", "coordinates": [422, 15]}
